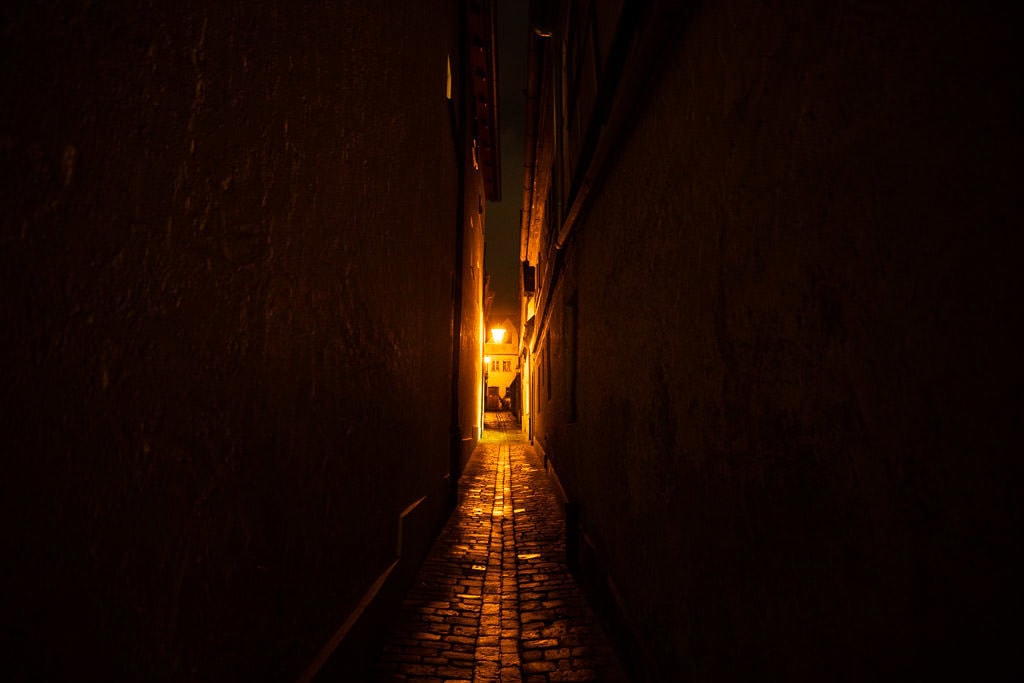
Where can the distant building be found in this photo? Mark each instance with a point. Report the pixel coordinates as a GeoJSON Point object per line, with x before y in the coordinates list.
{"type": "Point", "coordinates": [501, 361]}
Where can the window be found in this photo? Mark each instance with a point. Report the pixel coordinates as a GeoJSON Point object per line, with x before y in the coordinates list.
{"type": "Point", "coordinates": [495, 366]}
{"type": "Point", "coordinates": [506, 366]}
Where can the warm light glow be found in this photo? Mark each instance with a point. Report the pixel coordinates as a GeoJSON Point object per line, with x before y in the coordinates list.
{"type": "Point", "coordinates": [480, 351]}
{"type": "Point", "coordinates": [487, 360]}
{"type": "Point", "coordinates": [448, 80]}
{"type": "Point", "coordinates": [498, 334]}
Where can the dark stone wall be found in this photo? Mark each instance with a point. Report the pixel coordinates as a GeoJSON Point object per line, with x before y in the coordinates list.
{"type": "Point", "coordinates": [227, 265]}
{"type": "Point", "coordinates": [799, 390]}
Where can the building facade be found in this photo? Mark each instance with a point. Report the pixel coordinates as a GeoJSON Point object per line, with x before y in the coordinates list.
{"type": "Point", "coordinates": [240, 240]}
{"type": "Point", "coordinates": [501, 364]}
{"type": "Point", "coordinates": [767, 329]}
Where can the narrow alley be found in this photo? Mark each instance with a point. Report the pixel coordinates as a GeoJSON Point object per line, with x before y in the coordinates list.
{"type": "Point", "coordinates": [551, 340]}
{"type": "Point", "coordinates": [495, 601]}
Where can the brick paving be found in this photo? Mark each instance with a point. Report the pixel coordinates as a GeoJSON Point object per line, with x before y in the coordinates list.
{"type": "Point", "coordinates": [494, 600]}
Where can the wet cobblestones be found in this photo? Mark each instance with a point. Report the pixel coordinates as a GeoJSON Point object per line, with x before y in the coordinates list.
{"type": "Point", "coordinates": [494, 601]}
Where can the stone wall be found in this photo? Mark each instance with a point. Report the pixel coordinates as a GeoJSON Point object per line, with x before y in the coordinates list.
{"type": "Point", "coordinates": [795, 451]}
{"type": "Point", "coordinates": [227, 263]}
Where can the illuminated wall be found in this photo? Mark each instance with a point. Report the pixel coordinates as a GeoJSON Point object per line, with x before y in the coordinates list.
{"type": "Point", "coordinates": [472, 336]}
{"type": "Point", "coordinates": [502, 359]}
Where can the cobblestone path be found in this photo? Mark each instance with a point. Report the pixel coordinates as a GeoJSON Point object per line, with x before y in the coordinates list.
{"type": "Point", "coordinates": [494, 600]}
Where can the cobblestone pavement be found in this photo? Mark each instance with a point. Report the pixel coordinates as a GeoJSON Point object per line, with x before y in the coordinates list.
{"type": "Point", "coordinates": [494, 600]}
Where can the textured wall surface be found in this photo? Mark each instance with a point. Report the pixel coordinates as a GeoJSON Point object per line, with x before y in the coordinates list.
{"type": "Point", "coordinates": [226, 261]}
{"type": "Point", "coordinates": [799, 382]}
{"type": "Point", "coordinates": [470, 363]}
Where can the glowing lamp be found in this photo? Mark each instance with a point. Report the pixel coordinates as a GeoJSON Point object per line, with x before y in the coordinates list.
{"type": "Point", "coordinates": [498, 334]}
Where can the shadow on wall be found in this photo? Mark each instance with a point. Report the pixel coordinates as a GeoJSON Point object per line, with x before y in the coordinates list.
{"type": "Point", "coordinates": [227, 257]}
{"type": "Point", "coordinates": [792, 444]}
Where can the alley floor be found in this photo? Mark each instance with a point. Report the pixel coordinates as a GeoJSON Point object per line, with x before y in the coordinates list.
{"type": "Point", "coordinates": [494, 600]}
